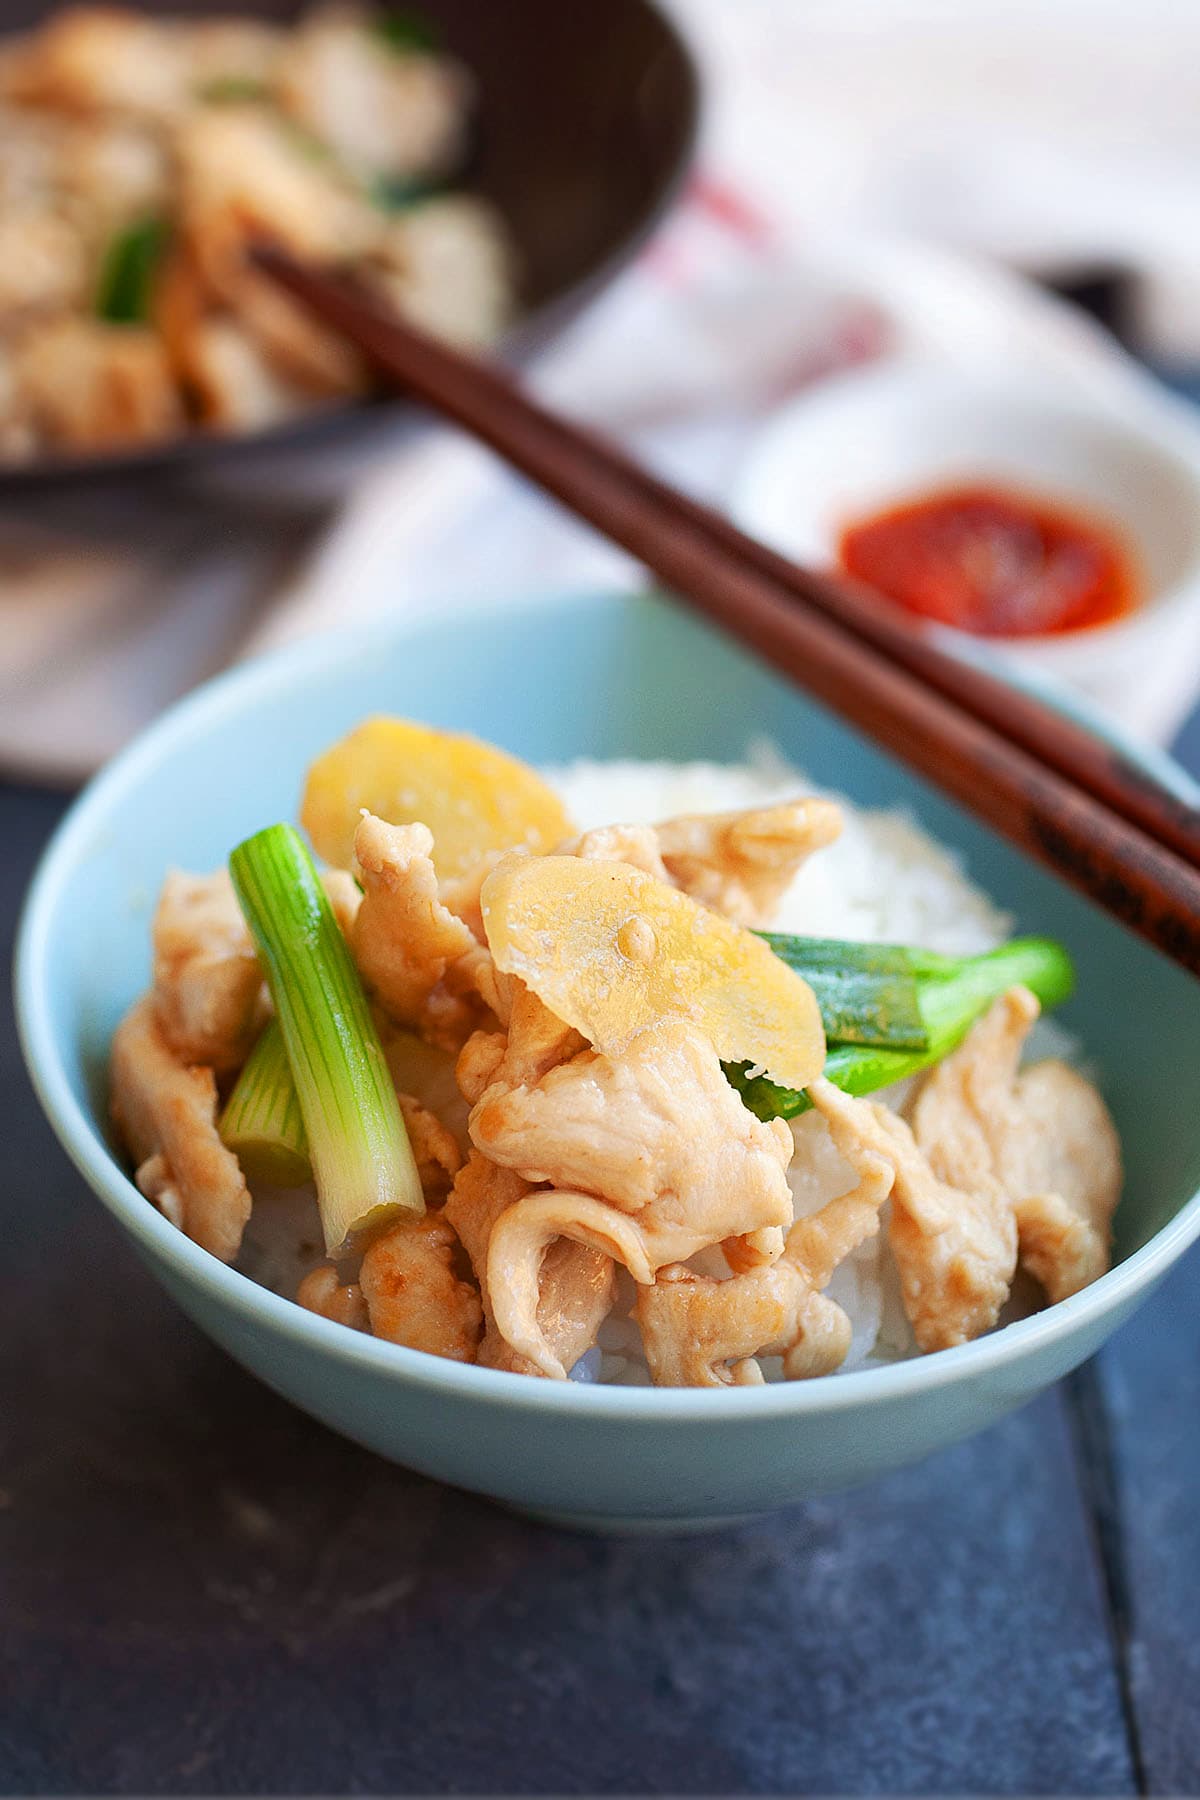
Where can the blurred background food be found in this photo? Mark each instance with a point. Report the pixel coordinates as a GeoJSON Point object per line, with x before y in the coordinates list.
{"type": "Point", "coordinates": [885, 197]}
{"type": "Point", "coordinates": [139, 157]}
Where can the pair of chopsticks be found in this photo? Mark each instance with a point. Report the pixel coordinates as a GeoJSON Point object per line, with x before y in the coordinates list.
{"type": "Point", "coordinates": [1040, 780]}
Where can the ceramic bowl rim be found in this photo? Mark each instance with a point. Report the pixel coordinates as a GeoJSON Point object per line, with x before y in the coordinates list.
{"type": "Point", "coordinates": [228, 695]}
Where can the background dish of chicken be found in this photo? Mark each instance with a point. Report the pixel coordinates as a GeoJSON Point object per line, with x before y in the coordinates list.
{"type": "Point", "coordinates": [139, 156]}
{"type": "Point", "coordinates": [494, 176]}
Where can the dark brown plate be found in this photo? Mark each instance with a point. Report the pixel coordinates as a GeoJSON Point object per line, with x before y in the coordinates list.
{"type": "Point", "coordinates": [585, 118]}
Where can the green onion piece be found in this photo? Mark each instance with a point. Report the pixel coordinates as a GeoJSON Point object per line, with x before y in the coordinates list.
{"type": "Point", "coordinates": [262, 1123]}
{"type": "Point", "coordinates": [359, 1148]}
{"type": "Point", "coordinates": [305, 142]}
{"type": "Point", "coordinates": [126, 284]}
{"type": "Point", "coordinates": [404, 32]}
{"type": "Point", "coordinates": [867, 992]}
{"type": "Point", "coordinates": [401, 193]}
{"type": "Point", "coordinates": [952, 991]}
{"type": "Point", "coordinates": [229, 90]}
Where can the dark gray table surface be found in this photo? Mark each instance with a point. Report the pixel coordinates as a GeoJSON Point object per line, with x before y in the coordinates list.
{"type": "Point", "coordinates": [201, 1591]}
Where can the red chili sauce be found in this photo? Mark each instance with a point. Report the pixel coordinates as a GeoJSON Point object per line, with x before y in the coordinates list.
{"type": "Point", "coordinates": [995, 562]}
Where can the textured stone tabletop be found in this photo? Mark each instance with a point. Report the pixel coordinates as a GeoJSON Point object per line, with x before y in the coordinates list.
{"type": "Point", "coordinates": [201, 1591]}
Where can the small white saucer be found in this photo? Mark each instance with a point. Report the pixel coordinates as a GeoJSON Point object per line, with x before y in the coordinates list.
{"type": "Point", "coordinates": [864, 440]}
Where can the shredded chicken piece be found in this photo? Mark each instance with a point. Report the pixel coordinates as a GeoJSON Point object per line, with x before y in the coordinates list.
{"type": "Point", "coordinates": [103, 58]}
{"type": "Point", "coordinates": [344, 897]}
{"type": "Point", "coordinates": [698, 1332]}
{"type": "Point", "coordinates": [208, 984]}
{"type": "Point", "coordinates": [231, 50]}
{"type": "Point", "coordinates": [232, 379]}
{"type": "Point", "coordinates": [575, 1282]}
{"type": "Point", "coordinates": [537, 1040]}
{"type": "Point", "coordinates": [478, 1062]}
{"type": "Point", "coordinates": [89, 384]}
{"type": "Point", "coordinates": [437, 1155]}
{"type": "Point", "coordinates": [166, 1113]}
{"type": "Point", "coordinates": [405, 940]}
{"type": "Point", "coordinates": [242, 172]}
{"type": "Point", "coordinates": [322, 1291]}
{"type": "Point", "coordinates": [955, 1249]}
{"type": "Point", "coordinates": [447, 268]}
{"type": "Point", "coordinates": [461, 894]}
{"type": "Point", "coordinates": [650, 1159]}
{"type": "Point", "coordinates": [113, 172]}
{"type": "Point", "coordinates": [43, 261]}
{"type": "Point", "coordinates": [412, 1293]}
{"type": "Point", "coordinates": [318, 362]}
{"type": "Point", "coordinates": [1044, 1136]}
{"type": "Point", "coordinates": [381, 114]}
{"type": "Point", "coordinates": [741, 864]}
{"type": "Point", "coordinates": [633, 844]}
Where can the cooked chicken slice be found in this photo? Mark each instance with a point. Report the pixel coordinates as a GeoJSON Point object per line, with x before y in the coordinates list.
{"type": "Point", "coordinates": [322, 1291]}
{"type": "Point", "coordinates": [319, 362]}
{"type": "Point", "coordinates": [405, 940]}
{"type": "Point", "coordinates": [384, 112]}
{"type": "Point", "coordinates": [228, 57]}
{"type": "Point", "coordinates": [89, 385]}
{"type": "Point", "coordinates": [478, 1062]}
{"type": "Point", "coordinates": [44, 263]}
{"type": "Point", "coordinates": [956, 1250]}
{"type": "Point", "coordinates": [241, 176]}
{"type": "Point", "coordinates": [659, 1133]}
{"type": "Point", "coordinates": [667, 1158]}
{"type": "Point", "coordinates": [741, 864]}
{"type": "Point", "coordinates": [208, 983]}
{"type": "Point", "coordinates": [698, 1332]}
{"type": "Point", "coordinates": [1045, 1136]}
{"type": "Point", "coordinates": [103, 59]}
{"type": "Point", "coordinates": [461, 894]}
{"type": "Point", "coordinates": [18, 436]}
{"type": "Point", "coordinates": [344, 896]}
{"type": "Point", "coordinates": [482, 1190]}
{"type": "Point", "coordinates": [166, 1114]}
{"type": "Point", "coordinates": [493, 987]}
{"type": "Point", "coordinates": [445, 264]}
{"type": "Point", "coordinates": [233, 383]}
{"type": "Point", "coordinates": [575, 1282]}
{"type": "Point", "coordinates": [112, 172]}
{"type": "Point", "coordinates": [412, 1293]}
{"type": "Point", "coordinates": [537, 1040]}
{"type": "Point", "coordinates": [437, 1156]}
{"type": "Point", "coordinates": [633, 844]}
{"type": "Point", "coordinates": [30, 144]}
{"type": "Point", "coordinates": [242, 173]}
{"type": "Point", "coordinates": [966, 1103]}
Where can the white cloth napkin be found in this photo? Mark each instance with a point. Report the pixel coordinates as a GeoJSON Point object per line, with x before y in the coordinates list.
{"type": "Point", "coordinates": [112, 606]}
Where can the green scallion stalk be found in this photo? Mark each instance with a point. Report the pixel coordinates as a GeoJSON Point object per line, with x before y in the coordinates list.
{"type": "Point", "coordinates": [359, 1148]}
{"type": "Point", "coordinates": [128, 272]}
{"type": "Point", "coordinates": [404, 31]}
{"type": "Point", "coordinates": [867, 992]}
{"type": "Point", "coordinates": [232, 90]}
{"type": "Point", "coordinates": [401, 193]}
{"type": "Point", "coordinates": [952, 992]}
{"type": "Point", "coordinates": [262, 1122]}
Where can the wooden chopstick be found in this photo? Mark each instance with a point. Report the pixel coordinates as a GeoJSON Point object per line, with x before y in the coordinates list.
{"type": "Point", "coordinates": [999, 754]}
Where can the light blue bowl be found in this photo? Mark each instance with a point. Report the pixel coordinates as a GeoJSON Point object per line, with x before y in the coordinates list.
{"type": "Point", "coordinates": [553, 679]}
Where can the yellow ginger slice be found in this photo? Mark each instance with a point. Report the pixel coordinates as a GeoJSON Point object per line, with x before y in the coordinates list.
{"type": "Point", "coordinates": [473, 797]}
{"type": "Point", "coordinates": [612, 951]}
